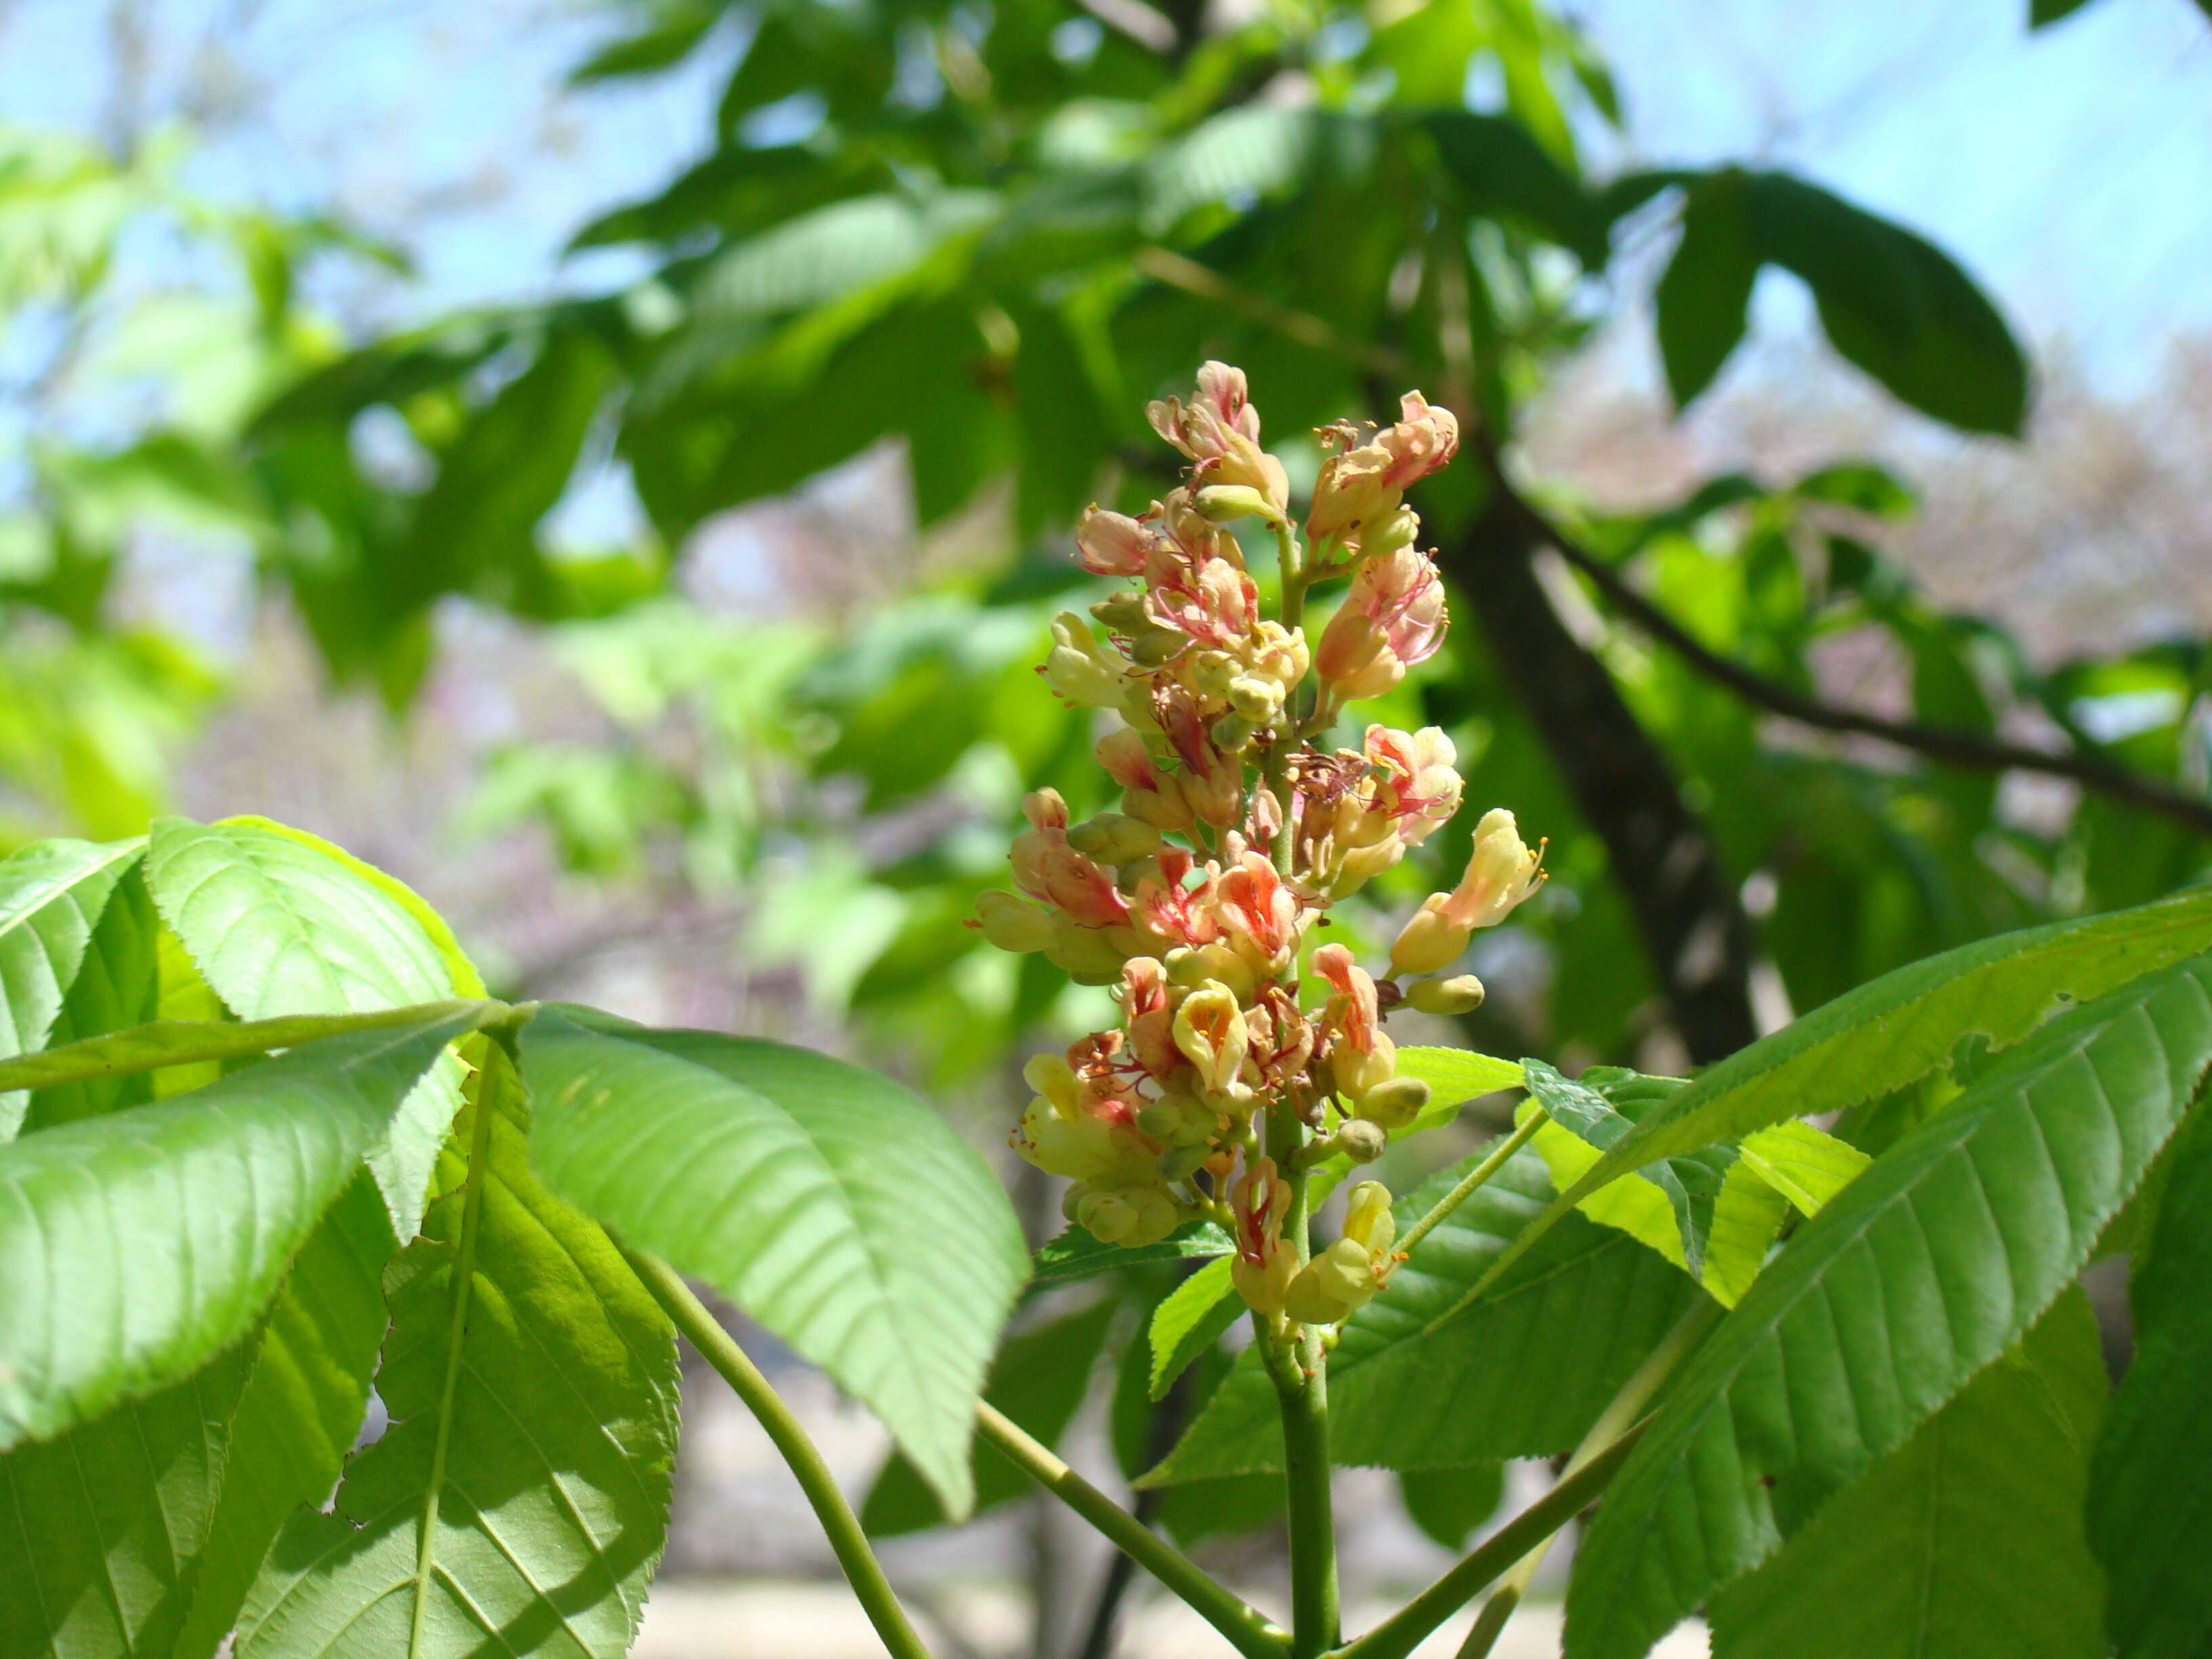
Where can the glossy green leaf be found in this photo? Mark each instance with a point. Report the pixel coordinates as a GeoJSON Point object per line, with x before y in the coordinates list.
{"type": "Point", "coordinates": [520, 1501]}
{"type": "Point", "coordinates": [1450, 1504]}
{"type": "Point", "coordinates": [1418, 1382]}
{"type": "Point", "coordinates": [1503, 168]}
{"type": "Point", "coordinates": [1920, 1272]}
{"type": "Point", "coordinates": [302, 1405]}
{"type": "Point", "coordinates": [1454, 1076]}
{"type": "Point", "coordinates": [102, 1528]}
{"type": "Point", "coordinates": [133, 1247]}
{"type": "Point", "coordinates": [1039, 1381]}
{"type": "Point", "coordinates": [118, 984]}
{"type": "Point", "coordinates": [2154, 1466]}
{"type": "Point", "coordinates": [1189, 1321]}
{"type": "Point", "coordinates": [1075, 1254]}
{"type": "Point", "coordinates": [1965, 1541]}
{"type": "Point", "coordinates": [830, 1204]}
{"type": "Point", "coordinates": [1896, 1030]}
{"type": "Point", "coordinates": [276, 926]}
{"type": "Point", "coordinates": [1670, 1204]}
{"type": "Point", "coordinates": [52, 895]}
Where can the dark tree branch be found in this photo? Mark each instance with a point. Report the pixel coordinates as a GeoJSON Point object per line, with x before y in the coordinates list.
{"type": "Point", "coordinates": [1664, 858]}
{"type": "Point", "coordinates": [1946, 744]}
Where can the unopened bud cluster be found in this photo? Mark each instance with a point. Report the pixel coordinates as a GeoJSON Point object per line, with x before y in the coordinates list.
{"type": "Point", "coordinates": [1235, 833]}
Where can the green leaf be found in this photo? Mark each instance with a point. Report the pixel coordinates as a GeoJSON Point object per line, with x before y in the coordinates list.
{"type": "Point", "coordinates": [1704, 299]}
{"type": "Point", "coordinates": [1454, 1076]}
{"type": "Point", "coordinates": [123, 1263]}
{"type": "Point", "coordinates": [1896, 1030]}
{"type": "Point", "coordinates": [51, 896]}
{"type": "Point", "coordinates": [302, 1405]}
{"type": "Point", "coordinates": [1190, 1320]}
{"type": "Point", "coordinates": [277, 926]}
{"type": "Point", "coordinates": [1805, 1165]}
{"type": "Point", "coordinates": [1448, 1505]}
{"type": "Point", "coordinates": [168, 1042]}
{"type": "Point", "coordinates": [1670, 1204]}
{"type": "Point", "coordinates": [1965, 1541]}
{"type": "Point", "coordinates": [1418, 1382]}
{"type": "Point", "coordinates": [832, 1206]}
{"type": "Point", "coordinates": [1503, 168]}
{"type": "Point", "coordinates": [101, 1527]}
{"type": "Point", "coordinates": [1074, 1254]}
{"type": "Point", "coordinates": [520, 1501]}
{"type": "Point", "coordinates": [117, 983]}
{"type": "Point", "coordinates": [2153, 1465]}
{"type": "Point", "coordinates": [1920, 1272]}
{"type": "Point", "coordinates": [2043, 12]}
{"type": "Point", "coordinates": [1038, 1379]}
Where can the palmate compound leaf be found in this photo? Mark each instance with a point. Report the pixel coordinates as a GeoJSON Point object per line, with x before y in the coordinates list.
{"type": "Point", "coordinates": [832, 1206]}
{"type": "Point", "coordinates": [135, 1247]}
{"type": "Point", "coordinates": [1915, 1276]}
{"type": "Point", "coordinates": [1893, 1030]}
{"type": "Point", "coordinates": [520, 1501]}
{"type": "Point", "coordinates": [1416, 1383]}
{"type": "Point", "coordinates": [52, 898]}
{"type": "Point", "coordinates": [2151, 1498]}
{"type": "Point", "coordinates": [1963, 1542]}
{"type": "Point", "coordinates": [279, 923]}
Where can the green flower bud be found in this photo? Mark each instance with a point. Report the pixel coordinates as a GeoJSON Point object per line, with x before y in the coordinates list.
{"type": "Point", "coordinates": [1155, 646]}
{"type": "Point", "coordinates": [1222, 503]}
{"type": "Point", "coordinates": [1183, 1162]}
{"type": "Point", "coordinates": [1395, 1103]}
{"type": "Point", "coordinates": [1460, 995]}
{"type": "Point", "coordinates": [1113, 838]}
{"type": "Point", "coordinates": [1122, 614]}
{"type": "Point", "coordinates": [1258, 701]}
{"type": "Point", "coordinates": [1361, 1141]}
{"type": "Point", "coordinates": [1231, 732]}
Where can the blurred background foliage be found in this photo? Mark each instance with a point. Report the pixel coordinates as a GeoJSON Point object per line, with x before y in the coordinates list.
{"type": "Point", "coordinates": [850, 375]}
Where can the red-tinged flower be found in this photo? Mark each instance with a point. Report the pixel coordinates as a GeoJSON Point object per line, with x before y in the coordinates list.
{"type": "Point", "coordinates": [1356, 499]}
{"type": "Point", "coordinates": [1360, 1055]}
{"type": "Point", "coordinates": [1112, 543]}
{"type": "Point", "coordinates": [1393, 617]}
{"type": "Point", "coordinates": [1262, 1268]}
{"type": "Point", "coordinates": [1220, 429]}
{"type": "Point", "coordinates": [1046, 868]}
{"type": "Point", "coordinates": [1259, 914]}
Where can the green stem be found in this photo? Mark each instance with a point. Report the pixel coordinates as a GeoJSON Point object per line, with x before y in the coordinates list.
{"type": "Point", "coordinates": [1473, 1179]}
{"type": "Point", "coordinates": [1612, 1423]}
{"type": "Point", "coordinates": [1301, 1379]}
{"type": "Point", "coordinates": [1396, 1637]}
{"type": "Point", "coordinates": [1246, 1628]}
{"type": "Point", "coordinates": [846, 1539]}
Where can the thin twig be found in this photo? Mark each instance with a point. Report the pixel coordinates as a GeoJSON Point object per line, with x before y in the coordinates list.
{"type": "Point", "coordinates": [1949, 745]}
{"type": "Point", "coordinates": [1249, 1633]}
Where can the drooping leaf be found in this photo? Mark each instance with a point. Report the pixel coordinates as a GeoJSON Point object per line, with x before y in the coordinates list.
{"type": "Point", "coordinates": [1189, 1321]}
{"type": "Point", "coordinates": [304, 1397]}
{"type": "Point", "coordinates": [1416, 1383]}
{"type": "Point", "coordinates": [1923, 1270]}
{"type": "Point", "coordinates": [1448, 1505]}
{"type": "Point", "coordinates": [135, 1247]}
{"type": "Point", "coordinates": [52, 895]}
{"type": "Point", "coordinates": [118, 984]}
{"type": "Point", "coordinates": [1965, 1541]}
{"type": "Point", "coordinates": [520, 1501]}
{"type": "Point", "coordinates": [1503, 168]}
{"type": "Point", "coordinates": [2154, 1466]}
{"type": "Point", "coordinates": [1038, 1379]}
{"type": "Point", "coordinates": [276, 926]}
{"type": "Point", "coordinates": [1704, 299]}
{"type": "Point", "coordinates": [1075, 1254]}
{"type": "Point", "coordinates": [101, 1527]}
{"type": "Point", "coordinates": [830, 1204]}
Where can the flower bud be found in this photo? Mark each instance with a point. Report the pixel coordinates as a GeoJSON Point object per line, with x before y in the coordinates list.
{"type": "Point", "coordinates": [1122, 614]}
{"type": "Point", "coordinates": [1361, 1141]}
{"type": "Point", "coordinates": [1460, 995]}
{"type": "Point", "coordinates": [1183, 1162]}
{"type": "Point", "coordinates": [1156, 646]}
{"type": "Point", "coordinates": [1430, 941]}
{"type": "Point", "coordinates": [1210, 673]}
{"type": "Point", "coordinates": [1012, 925]}
{"type": "Point", "coordinates": [1360, 1071]}
{"type": "Point", "coordinates": [1222, 503]}
{"type": "Point", "coordinates": [1077, 668]}
{"type": "Point", "coordinates": [1115, 838]}
{"type": "Point", "coordinates": [1259, 701]}
{"type": "Point", "coordinates": [1231, 732]}
{"type": "Point", "coordinates": [1394, 1104]}
{"type": "Point", "coordinates": [1106, 1216]}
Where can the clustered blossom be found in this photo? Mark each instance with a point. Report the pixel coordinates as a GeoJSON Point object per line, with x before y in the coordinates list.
{"type": "Point", "coordinates": [1236, 833]}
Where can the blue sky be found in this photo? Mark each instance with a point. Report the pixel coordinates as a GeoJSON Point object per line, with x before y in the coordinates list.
{"type": "Point", "coordinates": [2068, 169]}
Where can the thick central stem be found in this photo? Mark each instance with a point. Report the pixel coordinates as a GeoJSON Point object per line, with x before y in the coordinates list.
{"type": "Point", "coordinates": [1301, 1378]}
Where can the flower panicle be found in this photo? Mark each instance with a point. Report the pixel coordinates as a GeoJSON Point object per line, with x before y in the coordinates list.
{"type": "Point", "coordinates": [1235, 831]}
